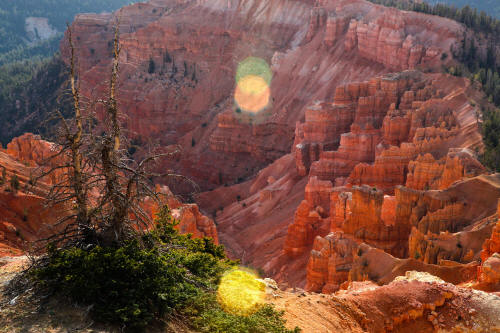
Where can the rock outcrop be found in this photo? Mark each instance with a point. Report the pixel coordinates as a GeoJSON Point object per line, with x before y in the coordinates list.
{"type": "Point", "coordinates": [426, 173]}
{"type": "Point", "coordinates": [490, 269]}
{"type": "Point", "coordinates": [25, 216]}
{"type": "Point", "coordinates": [196, 44]}
{"type": "Point", "coordinates": [406, 133]}
{"type": "Point", "coordinates": [380, 267]}
{"type": "Point", "coordinates": [388, 41]}
{"type": "Point", "coordinates": [492, 244]}
{"type": "Point", "coordinates": [330, 262]}
{"type": "Point", "coordinates": [336, 159]}
{"type": "Point", "coordinates": [310, 218]}
{"type": "Point", "coordinates": [415, 301]}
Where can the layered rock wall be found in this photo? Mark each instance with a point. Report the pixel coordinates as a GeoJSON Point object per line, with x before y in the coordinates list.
{"type": "Point", "coordinates": [414, 131]}
{"type": "Point", "coordinates": [195, 45]}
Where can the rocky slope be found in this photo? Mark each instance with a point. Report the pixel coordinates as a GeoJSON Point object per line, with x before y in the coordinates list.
{"type": "Point", "coordinates": [363, 166]}
{"type": "Point", "coordinates": [349, 182]}
{"type": "Point", "coordinates": [417, 302]}
{"type": "Point", "coordinates": [407, 128]}
{"type": "Point", "coordinates": [361, 141]}
{"type": "Point", "coordinates": [25, 217]}
{"type": "Point", "coordinates": [311, 47]}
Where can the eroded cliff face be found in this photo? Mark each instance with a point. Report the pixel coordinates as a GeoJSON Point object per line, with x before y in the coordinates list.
{"type": "Point", "coordinates": [311, 47]}
{"type": "Point", "coordinates": [386, 171]}
{"type": "Point", "coordinates": [25, 217]}
{"type": "Point", "coordinates": [344, 153]}
{"type": "Point", "coordinates": [403, 131]}
{"type": "Point", "coordinates": [490, 270]}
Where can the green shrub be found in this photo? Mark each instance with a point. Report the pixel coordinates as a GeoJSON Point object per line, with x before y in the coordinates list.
{"type": "Point", "coordinates": [491, 138]}
{"type": "Point", "coordinates": [151, 66]}
{"type": "Point", "coordinates": [3, 178]}
{"type": "Point", "coordinates": [147, 279]}
{"type": "Point", "coordinates": [14, 183]}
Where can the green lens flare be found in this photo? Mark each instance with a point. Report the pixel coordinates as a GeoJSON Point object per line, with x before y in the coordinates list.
{"type": "Point", "coordinates": [256, 67]}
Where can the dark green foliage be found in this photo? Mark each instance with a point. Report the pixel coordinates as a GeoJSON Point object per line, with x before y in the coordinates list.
{"type": "Point", "coordinates": [479, 21]}
{"type": "Point", "coordinates": [146, 280]}
{"type": "Point", "coordinates": [492, 7]}
{"type": "Point", "coordinates": [14, 183]}
{"type": "Point", "coordinates": [29, 92]}
{"type": "Point", "coordinates": [13, 14]}
{"type": "Point", "coordinates": [491, 135]}
{"type": "Point", "coordinates": [139, 281]}
{"type": "Point", "coordinates": [32, 53]}
{"type": "Point", "coordinates": [3, 179]}
{"type": "Point", "coordinates": [151, 66]}
{"type": "Point", "coordinates": [166, 57]}
{"type": "Point", "coordinates": [212, 319]}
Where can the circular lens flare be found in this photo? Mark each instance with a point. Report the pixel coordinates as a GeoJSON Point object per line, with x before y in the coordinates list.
{"type": "Point", "coordinates": [252, 94]}
{"type": "Point", "coordinates": [240, 292]}
{"type": "Point", "coordinates": [253, 85]}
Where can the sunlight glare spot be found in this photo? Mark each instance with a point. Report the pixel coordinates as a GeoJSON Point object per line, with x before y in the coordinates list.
{"type": "Point", "coordinates": [240, 292]}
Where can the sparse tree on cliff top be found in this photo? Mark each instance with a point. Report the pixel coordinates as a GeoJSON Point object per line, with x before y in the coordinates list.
{"type": "Point", "coordinates": [3, 179]}
{"type": "Point", "coordinates": [14, 183]}
{"type": "Point", "coordinates": [102, 187]}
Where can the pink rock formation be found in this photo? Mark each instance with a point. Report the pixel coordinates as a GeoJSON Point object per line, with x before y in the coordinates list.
{"type": "Point", "coordinates": [368, 135]}
{"type": "Point", "coordinates": [31, 149]}
{"type": "Point", "coordinates": [25, 217]}
{"type": "Point", "coordinates": [492, 244]}
{"type": "Point", "coordinates": [426, 173]}
{"type": "Point", "coordinates": [383, 268]}
{"type": "Point", "coordinates": [366, 215]}
{"type": "Point", "coordinates": [197, 44]}
{"type": "Point", "coordinates": [387, 41]}
{"type": "Point", "coordinates": [191, 221]}
{"type": "Point", "coordinates": [330, 261]}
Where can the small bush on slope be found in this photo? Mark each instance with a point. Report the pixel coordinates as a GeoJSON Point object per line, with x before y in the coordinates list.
{"type": "Point", "coordinates": [147, 280]}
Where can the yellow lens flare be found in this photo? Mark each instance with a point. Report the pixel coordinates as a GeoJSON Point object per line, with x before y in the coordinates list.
{"type": "Point", "coordinates": [252, 94]}
{"type": "Point", "coordinates": [252, 85]}
{"type": "Point", "coordinates": [240, 292]}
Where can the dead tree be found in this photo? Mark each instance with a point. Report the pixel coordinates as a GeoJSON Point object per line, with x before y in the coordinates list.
{"type": "Point", "coordinates": [102, 186]}
{"type": "Point", "coordinates": [70, 191]}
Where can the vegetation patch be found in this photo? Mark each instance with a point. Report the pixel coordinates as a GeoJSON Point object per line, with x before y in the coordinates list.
{"type": "Point", "coordinates": [149, 280]}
